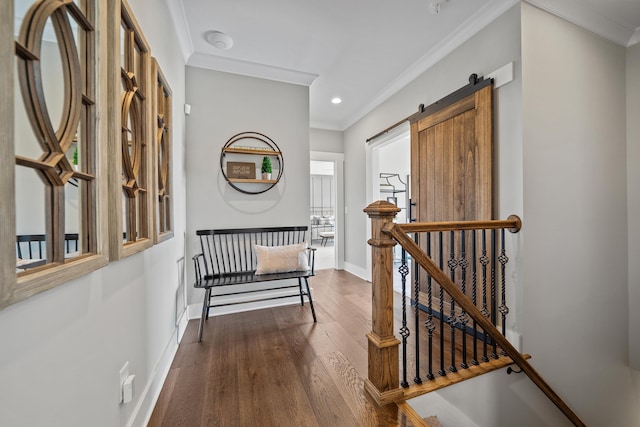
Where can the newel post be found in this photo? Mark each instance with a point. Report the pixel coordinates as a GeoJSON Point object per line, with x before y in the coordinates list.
{"type": "Point", "coordinates": [383, 383]}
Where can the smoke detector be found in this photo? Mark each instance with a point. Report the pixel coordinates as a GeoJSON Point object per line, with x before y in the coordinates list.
{"type": "Point", "coordinates": [436, 5]}
{"type": "Point", "coordinates": [218, 40]}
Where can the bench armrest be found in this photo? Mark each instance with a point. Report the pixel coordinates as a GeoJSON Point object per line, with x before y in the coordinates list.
{"type": "Point", "coordinates": [197, 259]}
{"type": "Point", "coordinates": [312, 258]}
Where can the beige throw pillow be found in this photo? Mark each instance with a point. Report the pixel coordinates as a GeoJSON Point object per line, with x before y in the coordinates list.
{"type": "Point", "coordinates": [281, 259]}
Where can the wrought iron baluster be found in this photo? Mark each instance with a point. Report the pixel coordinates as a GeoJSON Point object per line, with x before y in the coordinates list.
{"type": "Point", "coordinates": [494, 314]}
{"type": "Point", "coordinates": [484, 260]}
{"type": "Point", "coordinates": [416, 313]}
{"type": "Point", "coordinates": [441, 371]}
{"type": "Point", "coordinates": [503, 259]}
{"type": "Point", "coordinates": [474, 293]}
{"type": "Point", "coordinates": [464, 318]}
{"type": "Point", "coordinates": [429, 323]}
{"type": "Point", "coordinates": [404, 331]}
{"type": "Point", "coordinates": [452, 263]}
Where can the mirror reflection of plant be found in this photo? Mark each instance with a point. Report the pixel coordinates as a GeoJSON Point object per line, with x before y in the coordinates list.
{"type": "Point", "coordinates": [75, 156]}
{"type": "Point", "coordinates": [266, 165]}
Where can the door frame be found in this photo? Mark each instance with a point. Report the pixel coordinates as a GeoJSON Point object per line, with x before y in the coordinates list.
{"type": "Point", "coordinates": [338, 191]}
{"type": "Point", "coordinates": [401, 130]}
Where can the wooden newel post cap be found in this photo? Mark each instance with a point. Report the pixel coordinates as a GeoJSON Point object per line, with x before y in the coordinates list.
{"type": "Point", "coordinates": [381, 214]}
{"type": "Point", "coordinates": [381, 208]}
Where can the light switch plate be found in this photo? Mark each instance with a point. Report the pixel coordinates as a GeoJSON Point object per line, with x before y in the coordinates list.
{"type": "Point", "coordinates": [124, 374]}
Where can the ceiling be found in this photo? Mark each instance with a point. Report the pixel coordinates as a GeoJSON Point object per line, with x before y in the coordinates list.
{"type": "Point", "coordinates": [360, 50]}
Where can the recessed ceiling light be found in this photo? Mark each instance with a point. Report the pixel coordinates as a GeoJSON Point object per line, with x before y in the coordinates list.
{"type": "Point", "coordinates": [336, 100]}
{"type": "Point", "coordinates": [219, 40]}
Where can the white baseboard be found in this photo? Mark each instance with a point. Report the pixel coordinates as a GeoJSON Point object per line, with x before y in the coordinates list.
{"type": "Point", "coordinates": [147, 402]}
{"type": "Point", "coordinates": [358, 271]}
{"type": "Point", "coordinates": [194, 311]}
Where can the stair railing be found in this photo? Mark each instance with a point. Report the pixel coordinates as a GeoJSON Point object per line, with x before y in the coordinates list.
{"type": "Point", "coordinates": [383, 382]}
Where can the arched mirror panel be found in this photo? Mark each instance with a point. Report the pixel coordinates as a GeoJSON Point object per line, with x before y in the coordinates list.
{"type": "Point", "coordinates": [52, 205]}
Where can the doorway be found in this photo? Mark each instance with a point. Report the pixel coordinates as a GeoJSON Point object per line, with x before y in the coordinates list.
{"type": "Point", "coordinates": [322, 213]}
{"type": "Point", "coordinates": [389, 175]}
{"type": "Point", "coordinates": [326, 209]}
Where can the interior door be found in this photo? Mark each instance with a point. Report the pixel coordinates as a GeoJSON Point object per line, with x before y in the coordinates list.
{"type": "Point", "coordinates": [452, 162]}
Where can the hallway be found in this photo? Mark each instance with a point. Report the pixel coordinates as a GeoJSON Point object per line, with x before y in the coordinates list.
{"type": "Point", "coordinates": [275, 367]}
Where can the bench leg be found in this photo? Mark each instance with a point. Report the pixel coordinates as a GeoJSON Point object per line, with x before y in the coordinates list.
{"type": "Point", "coordinates": [313, 311]}
{"type": "Point", "coordinates": [301, 292]}
{"type": "Point", "coordinates": [205, 312]}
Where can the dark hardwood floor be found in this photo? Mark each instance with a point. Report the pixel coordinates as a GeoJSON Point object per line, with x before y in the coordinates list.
{"type": "Point", "coordinates": [275, 367]}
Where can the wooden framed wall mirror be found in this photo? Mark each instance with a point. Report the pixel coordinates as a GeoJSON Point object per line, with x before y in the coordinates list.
{"type": "Point", "coordinates": [50, 191]}
{"type": "Point", "coordinates": [76, 191]}
{"type": "Point", "coordinates": [131, 220]}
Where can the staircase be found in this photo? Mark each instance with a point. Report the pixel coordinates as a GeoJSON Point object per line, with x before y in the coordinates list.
{"type": "Point", "coordinates": [459, 284]}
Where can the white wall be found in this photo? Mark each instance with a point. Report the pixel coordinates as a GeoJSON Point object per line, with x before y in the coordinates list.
{"type": "Point", "coordinates": [329, 141]}
{"type": "Point", "coordinates": [494, 46]}
{"type": "Point", "coordinates": [563, 170]}
{"type": "Point", "coordinates": [62, 349]}
{"type": "Point", "coordinates": [575, 216]}
{"type": "Point", "coordinates": [495, 399]}
{"type": "Point", "coordinates": [223, 105]}
{"type": "Point", "coordinates": [633, 199]}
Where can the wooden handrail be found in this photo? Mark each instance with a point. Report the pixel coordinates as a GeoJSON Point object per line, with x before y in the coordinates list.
{"type": "Point", "coordinates": [513, 224]}
{"type": "Point", "coordinates": [399, 234]}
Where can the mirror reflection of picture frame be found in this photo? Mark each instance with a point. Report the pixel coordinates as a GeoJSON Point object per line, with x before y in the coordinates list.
{"type": "Point", "coordinates": [393, 200]}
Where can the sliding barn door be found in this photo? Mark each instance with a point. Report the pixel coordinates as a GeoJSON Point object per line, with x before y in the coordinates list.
{"type": "Point", "coordinates": [452, 162]}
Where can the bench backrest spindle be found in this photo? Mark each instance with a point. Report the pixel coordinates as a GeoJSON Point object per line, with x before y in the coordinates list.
{"type": "Point", "coordinates": [231, 251]}
{"type": "Point", "coordinates": [34, 246]}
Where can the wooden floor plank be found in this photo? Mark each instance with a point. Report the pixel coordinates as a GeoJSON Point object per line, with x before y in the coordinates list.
{"type": "Point", "coordinates": [222, 405]}
{"type": "Point", "coordinates": [276, 367]}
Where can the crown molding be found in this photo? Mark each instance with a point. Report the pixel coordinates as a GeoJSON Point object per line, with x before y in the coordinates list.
{"type": "Point", "coordinates": [635, 38]}
{"type": "Point", "coordinates": [483, 17]}
{"type": "Point", "coordinates": [315, 124]}
{"type": "Point", "coordinates": [181, 26]}
{"type": "Point", "coordinates": [251, 69]}
{"type": "Point", "coordinates": [585, 16]}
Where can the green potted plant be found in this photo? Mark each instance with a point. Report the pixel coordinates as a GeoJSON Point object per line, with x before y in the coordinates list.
{"type": "Point", "coordinates": [75, 158]}
{"type": "Point", "coordinates": [266, 168]}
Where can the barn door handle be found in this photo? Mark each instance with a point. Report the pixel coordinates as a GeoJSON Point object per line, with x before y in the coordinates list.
{"type": "Point", "coordinates": [411, 205]}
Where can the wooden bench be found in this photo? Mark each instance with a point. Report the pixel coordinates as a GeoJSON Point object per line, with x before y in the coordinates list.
{"type": "Point", "coordinates": [31, 249]}
{"type": "Point", "coordinates": [229, 258]}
